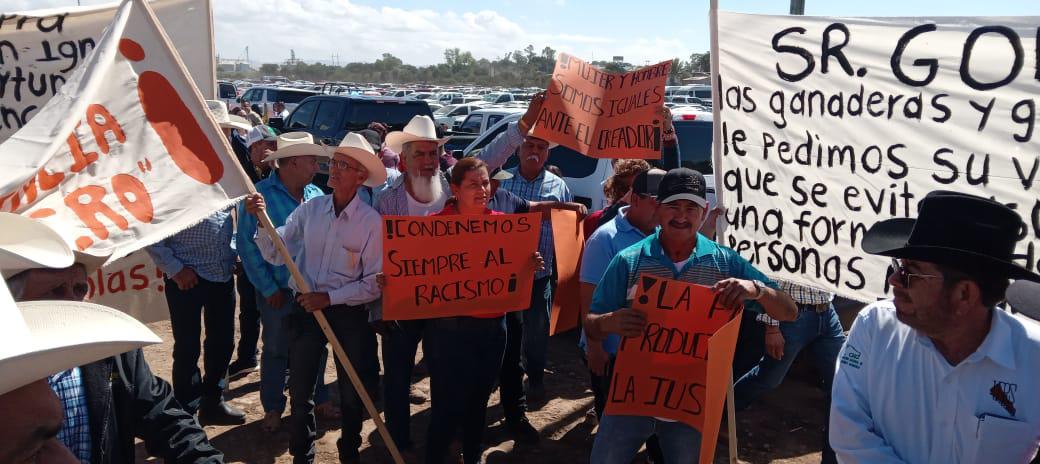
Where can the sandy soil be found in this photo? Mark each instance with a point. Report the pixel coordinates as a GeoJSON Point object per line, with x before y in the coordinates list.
{"type": "Point", "coordinates": [784, 427]}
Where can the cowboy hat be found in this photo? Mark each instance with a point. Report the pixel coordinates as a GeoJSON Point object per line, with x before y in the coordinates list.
{"type": "Point", "coordinates": [355, 146]}
{"type": "Point", "coordinates": [26, 243]}
{"type": "Point", "coordinates": [218, 110]}
{"type": "Point", "coordinates": [500, 174]}
{"type": "Point", "coordinates": [1024, 297]}
{"type": "Point", "coordinates": [292, 144]}
{"type": "Point", "coordinates": [552, 145]}
{"type": "Point", "coordinates": [953, 228]}
{"type": "Point", "coordinates": [42, 338]}
{"type": "Point", "coordinates": [419, 129]}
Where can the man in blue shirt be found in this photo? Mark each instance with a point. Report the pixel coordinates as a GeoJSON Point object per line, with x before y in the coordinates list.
{"type": "Point", "coordinates": [632, 224]}
{"type": "Point", "coordinates": [198, 262]}
{"type": "Point", "coordinates": [676, 251]}
{"type": "Point", "coordinates": [287, 187]}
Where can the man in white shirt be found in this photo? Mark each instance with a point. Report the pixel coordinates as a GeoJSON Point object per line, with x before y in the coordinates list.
{"type": "Point", "coordinates": [937, 374]}
{"type": "Point", "coordinates": [335, 242]}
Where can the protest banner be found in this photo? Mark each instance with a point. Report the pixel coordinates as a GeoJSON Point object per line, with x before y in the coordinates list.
{"type": "Point", "coordinates": [569, 242]}
{"type": "Point", "coordinates": [134, 285]}
{"type": "Point", "coordinates": [602, 114]}
{"type": "Point", "coordinates": [679, 369]}
{"type": "Point", "coordinates": [456, 265]}
{"type": "Point", "coordinates": [829, 125]}
{"type": "Point", "coordinates": [126, 154]}
{"type": "Point", "coordinates": [40, 49]}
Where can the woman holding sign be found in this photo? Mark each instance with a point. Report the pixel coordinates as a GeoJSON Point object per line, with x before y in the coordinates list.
{"type": "Point", "coordinates": [464, 352]}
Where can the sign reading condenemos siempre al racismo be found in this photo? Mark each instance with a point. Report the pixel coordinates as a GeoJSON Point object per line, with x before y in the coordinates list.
{"type": "Point", "coordinates": [832, 124]}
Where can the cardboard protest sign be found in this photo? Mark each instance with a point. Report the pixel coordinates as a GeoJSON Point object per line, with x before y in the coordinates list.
{"type": "Point", "coordinates": [829, 125]}
{"type": "Point", "coordinates": [456, 265]}
{"type": "Point", "coordinates": [134, 285]}
{"type": "Point", "coordinates": [602, 114]}
{"type": "Point", "coordinates": [569, 241]}
{"type": "Point", "coordinates": [126, 154]}
{"type": "Point", "coordinates": [680, 367]}
{"type": "Point", "coordinates": [40, 49]}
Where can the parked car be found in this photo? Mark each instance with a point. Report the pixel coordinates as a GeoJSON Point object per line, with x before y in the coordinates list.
{"type": "Point", "coordinates": [452, 116]}
{"type": "Point", "coordinates": [263, 98]}
{"type": "Point", "coordinates": [227, 92]}
{"type": "Point", "coordinates": [330, 117]}
{"type": "Point", "coordinates": [480, 120]}
{"type": "Point", "coordinates": [499, 97]}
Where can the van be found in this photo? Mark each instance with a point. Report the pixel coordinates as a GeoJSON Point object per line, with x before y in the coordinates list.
{"type": "Point", "coordinates": [262, 98]}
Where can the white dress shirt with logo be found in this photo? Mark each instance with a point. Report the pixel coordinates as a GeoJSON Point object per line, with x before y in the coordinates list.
{"type": "Point", "coordinates": [897, 399]}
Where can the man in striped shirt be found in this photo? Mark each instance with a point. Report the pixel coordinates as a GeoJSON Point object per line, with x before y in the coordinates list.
{"type": "Point", "coordinates": [676, 251]}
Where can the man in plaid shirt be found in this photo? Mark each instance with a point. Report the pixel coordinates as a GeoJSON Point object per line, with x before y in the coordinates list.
{"type": "Point", "coordinates": [817, 330]}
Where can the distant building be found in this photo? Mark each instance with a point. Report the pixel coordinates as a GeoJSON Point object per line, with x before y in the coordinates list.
{"type": "Point", "coordinates": [233, 65]}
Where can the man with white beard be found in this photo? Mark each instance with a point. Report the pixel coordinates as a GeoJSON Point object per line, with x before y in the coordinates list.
{"type": "Point", "coordinates": [420, 191]}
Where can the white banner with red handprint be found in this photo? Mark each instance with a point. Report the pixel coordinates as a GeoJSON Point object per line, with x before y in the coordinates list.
{"type": "Point", "coordinates": [126, 153]}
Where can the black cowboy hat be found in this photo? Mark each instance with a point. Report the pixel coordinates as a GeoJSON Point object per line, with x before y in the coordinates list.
{"type": "Point", "coordinates": [1024, 297]}
{"type": "Point", "coordinates": [953, 228]}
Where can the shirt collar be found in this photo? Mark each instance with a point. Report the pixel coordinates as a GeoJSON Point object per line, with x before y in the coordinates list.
{"type": "Point", "coordinates": [517, 177]}
{"type": "Point", "coordinates": [351, 208]}
{"type": "Point", "coordinates": [999, 344]}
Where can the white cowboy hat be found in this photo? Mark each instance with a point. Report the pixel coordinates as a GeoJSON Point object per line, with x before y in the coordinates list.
{"type": "Point", "coordinates": [355, 146]}
{"type": "Point", "coordinates": [419, 129]}
{"type": "Point", "coordinates": [42, 338]}
{"type": "Point", "coordinates": [292, 144]}
{"type": "Point", "coordinates": [552, 145]}
{"type": "Point", "coordinates": [26, 243]}
{"type": "Point", "coordinates": [219, 111]}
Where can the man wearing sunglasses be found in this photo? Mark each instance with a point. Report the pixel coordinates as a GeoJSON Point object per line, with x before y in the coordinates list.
{"type": "Point", "coordinates": [936, 374]}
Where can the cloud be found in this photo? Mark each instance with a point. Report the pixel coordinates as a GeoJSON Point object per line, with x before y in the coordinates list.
{"type": "Point", "coordinates": [317, 29]}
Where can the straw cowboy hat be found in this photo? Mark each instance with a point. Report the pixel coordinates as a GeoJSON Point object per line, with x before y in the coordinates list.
{"type": "Point", "coordinates": [419, 129]}
{"type": "Point", "coordinates": [46, 337]}
{"type": "Point", "coordinates": [219, 111]}
{"type": "Point", "coordinates": [292, 144]}
{"type": "Point", "coordinates": [355, 146]}
{"type": "Point", "coordinates": [954, 228]}
{"type": "Point", "coordinates": [28, 244]}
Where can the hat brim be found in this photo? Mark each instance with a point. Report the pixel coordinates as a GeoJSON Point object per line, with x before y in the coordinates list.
{"type": "Point", "coordinates": [1024, 297]}
{"type": "Point", "coordinates": [236, 125]}
{"type": "Point", "coordinates": [890, 237]}
{"type": "Point", "coordinates": [699, 201]}
{"type": "Point", "coordinates": [376, 170]}
{"type": "Point", "coordinates": [26, 243]}
{"type": "Point", "coordinates": [396, 140]}
{"type": "Point", "coordinates": [67, 334]}
{"type": "Point", "coordinates": [299, 149]}
{"type": "Point", "coordinates": [502, 175]}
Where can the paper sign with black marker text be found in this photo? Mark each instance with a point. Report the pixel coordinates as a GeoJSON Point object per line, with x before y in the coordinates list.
{"type": "Point", "coordinates": [680, 367]}
{"type": "Point", "coordinates": [829, 125]}
{"type": "Point", "coordinates": [602, 114]}
{"type": "Point", "coordinates": [458, 265]}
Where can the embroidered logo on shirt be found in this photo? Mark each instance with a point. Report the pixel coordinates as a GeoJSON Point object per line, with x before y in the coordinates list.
{"type": "Point", "coordinates": [1004, 394]}
{"type": "Point", "coordinates": [851, 357]}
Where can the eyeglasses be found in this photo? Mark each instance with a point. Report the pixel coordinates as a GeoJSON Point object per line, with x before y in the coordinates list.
{"type": "Point", "coordinates": [904, 276]}
{"type": "Point", "coordinates": [343, 165]}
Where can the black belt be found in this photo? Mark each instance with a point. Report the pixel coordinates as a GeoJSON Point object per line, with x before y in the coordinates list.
{"type": "Point", "coordinates": [820, 308]}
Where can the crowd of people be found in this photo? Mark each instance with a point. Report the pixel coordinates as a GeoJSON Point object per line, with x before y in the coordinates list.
{"type": "Point", "coordinates": [939, 373]}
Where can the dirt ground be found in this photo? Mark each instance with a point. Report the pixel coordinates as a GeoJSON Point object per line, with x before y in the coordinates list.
{"type": "Point", "coordinates": [783, 427]}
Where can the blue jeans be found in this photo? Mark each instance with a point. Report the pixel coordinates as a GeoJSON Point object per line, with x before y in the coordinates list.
{"type": "Point", "coordinates": [400, 345]}
{"type": "Point", "coordinates": [819, 333]}
{"type": "Point", "coordinates": [464, 355]}
{"type": "Point", "coordinates": [620, 437]}
{"type": "Point", "coordinates": [536, 330]}
{"type": "Point", "coordinates": [276, 356]}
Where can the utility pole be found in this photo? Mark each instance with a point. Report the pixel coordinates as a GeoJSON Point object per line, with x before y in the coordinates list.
{"type": "Point", "coordinates": [798, 7]}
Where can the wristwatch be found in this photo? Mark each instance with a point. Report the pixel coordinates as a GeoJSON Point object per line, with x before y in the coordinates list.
{"type": "Point", "coordinates": [759, 288]}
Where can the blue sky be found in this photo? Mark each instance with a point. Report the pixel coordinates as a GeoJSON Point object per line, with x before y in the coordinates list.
{"type": "Point", "coordinates": [418, 31]}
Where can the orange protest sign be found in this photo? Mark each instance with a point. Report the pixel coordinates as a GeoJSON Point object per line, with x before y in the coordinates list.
{"type": "Point", "coordinates": [602, 114]}
{"type": "Point", "coordinates": [569, 241]}
{"type": "Point", "coordinates": [444, 266]}
{"type": "Point", "coordinates": [680, 366]}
